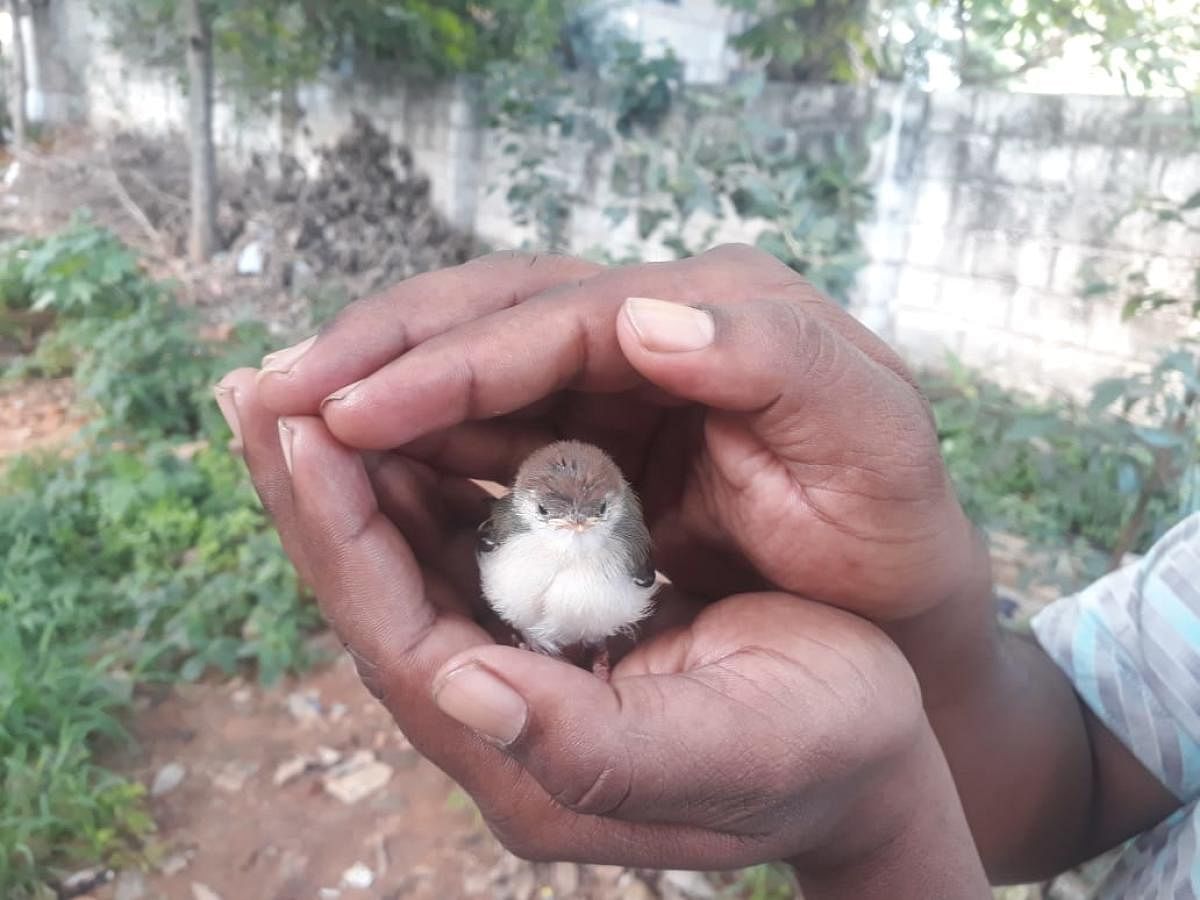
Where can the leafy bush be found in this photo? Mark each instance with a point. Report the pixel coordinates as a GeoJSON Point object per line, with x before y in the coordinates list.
{"type": "Point", "coordinates": [141, 554]}
{"type": "Point", "coordinates": [986, 42]}
{"type": "Point", "coordinates": [676, 160]}
{"type": "Point", "coordinates": [55, 706]}
{"type": "Point", "coordinates": [172, 551]}
{"type": "Point", "coordinates": [1048, 470]}
{"type": "Point", "coordinates": [83, 271]}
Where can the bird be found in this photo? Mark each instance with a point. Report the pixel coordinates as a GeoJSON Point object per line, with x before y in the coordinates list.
{"type": "Point", "coordinates": [565, 556]}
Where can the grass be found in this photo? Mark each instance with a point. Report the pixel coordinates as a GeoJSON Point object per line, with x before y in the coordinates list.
{"type": "Point", "coordinates": [1051, 471]}
{"type": "Point", "coordinates": [138, 555]}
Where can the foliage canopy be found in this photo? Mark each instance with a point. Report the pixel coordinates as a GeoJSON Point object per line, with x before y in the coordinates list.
{"type": "Point", "coordinates": [981, 41]}
{"type": "Point", "coordinates": [262, 48]}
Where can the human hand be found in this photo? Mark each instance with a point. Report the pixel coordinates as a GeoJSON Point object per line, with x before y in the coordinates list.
{"type": "Point", "coordinates": [774, 441]}
{"type": "Point", "coordinates": [765, 727]}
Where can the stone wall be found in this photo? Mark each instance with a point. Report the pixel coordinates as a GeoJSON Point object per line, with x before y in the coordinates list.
{"type": "Point", "coordinates": [1008, 205]}
{"type": "Point", "coordinates": [991, 206]}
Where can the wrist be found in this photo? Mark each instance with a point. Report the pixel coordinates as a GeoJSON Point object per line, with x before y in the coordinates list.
{"type": "Point", "coordinates": [953, 644]}
{"type": "Point", "coordinates": [924, 848]}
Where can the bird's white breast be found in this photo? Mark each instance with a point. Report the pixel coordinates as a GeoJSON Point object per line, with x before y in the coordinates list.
{"type": "Point", "coordinates": [558, 587]}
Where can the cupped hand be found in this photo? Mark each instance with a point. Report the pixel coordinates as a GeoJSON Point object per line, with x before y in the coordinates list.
{"type": "Point", "coordinates": [766, 727]}
{"type": "Point", "coordinates": [775, 442]}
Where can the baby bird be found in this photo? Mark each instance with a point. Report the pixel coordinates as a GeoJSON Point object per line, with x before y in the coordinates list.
{"type": "Point", "coordinates": [565, 556]}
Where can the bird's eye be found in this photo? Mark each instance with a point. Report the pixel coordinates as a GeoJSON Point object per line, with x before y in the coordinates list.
{"type": "Point", "coordinates": [542, 510]}
{"type": "Point", "coordinates": [603, 507]}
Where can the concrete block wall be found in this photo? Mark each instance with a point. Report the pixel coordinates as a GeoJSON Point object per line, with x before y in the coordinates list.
{"type": "Point", "coordinates": [992, 208]}
{"type": "Point", "coordinates": [87, 81]}
{"type": "Point", "coordinates": [1017, 202]}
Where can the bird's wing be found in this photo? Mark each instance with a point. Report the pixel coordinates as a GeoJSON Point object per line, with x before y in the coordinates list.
{"type": "Point", "coordinates": [496, 529]}
{"type": "Point", "coordinates": [643, 569]}
{"type": "Point", "coordinates": [486, 541]}
{"type": "Point", "coordinates": [636, 537]}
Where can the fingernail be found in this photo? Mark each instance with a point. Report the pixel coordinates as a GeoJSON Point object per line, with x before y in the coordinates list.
{"type": "Point", "coordinates": [664, 327]}
{"type": "Point", "coordinates": [285, 443]}
{"type": "Point", "coordinates": [342, 393]}
{"type": "Point", "coordinates": [478, 699]}
{"type": "Point", "coordinates": [227, 403]}
{"type": "Point", "coordinates": [283, 361]}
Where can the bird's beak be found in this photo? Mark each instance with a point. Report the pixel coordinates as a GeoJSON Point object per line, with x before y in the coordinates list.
{"type": "Point", "coordinates": [577, 524]}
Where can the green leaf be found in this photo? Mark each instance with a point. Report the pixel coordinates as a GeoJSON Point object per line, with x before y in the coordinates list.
{"type": "Point", "coordinates": [648, 220]}
{"type": "Point", "coordinates": [616, 215]}
{"type": "Point", "coordinates": [1129, 479]}
{"type": "Point", "coordinates": [1097, 288]}
{"type": "Point", "coordinates": [1026, 428]}
{"type": "Point", "coordinates": [1106, 392]}
{"type": "Point", "coordinates": [193, 669]}
{"type": "Point", "coordinates": [1161, 438]}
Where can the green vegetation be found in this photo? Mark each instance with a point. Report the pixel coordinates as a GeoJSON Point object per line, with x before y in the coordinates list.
{"type": "Point", "coordinates": [139, 554]}
{"type": "Point", "coordinates": [1115, 473]}
{"type": "Point", "coordinates": [677, 161]}
{"type": "Point", "coordinates": [263, 48]}
{"type": "Point", "coordinates": [1148, 45]}
{"type": "Point", "coordinates": [770, 881]}
{"type": "Point", "coordinates": [1051, 471]}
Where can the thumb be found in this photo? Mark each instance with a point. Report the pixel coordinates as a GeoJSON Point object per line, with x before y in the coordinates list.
{"type": "Point", "coordinates": [777, 358]}
{"type": "Point", "coordinates": [641, 748]}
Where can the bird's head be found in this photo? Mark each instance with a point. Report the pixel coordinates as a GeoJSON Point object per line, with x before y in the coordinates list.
{"type": "Point", "coordinates": [570, 487]}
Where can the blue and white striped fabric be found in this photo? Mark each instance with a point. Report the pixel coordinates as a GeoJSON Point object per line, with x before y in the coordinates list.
{"type": "Point", "coordinates": [1130, 644]}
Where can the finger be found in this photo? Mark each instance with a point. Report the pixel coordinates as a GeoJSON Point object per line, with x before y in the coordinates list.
{"type": "Point", "coordinates": [713, 741]}
{"type": "Point", "coordinates": [257, 432]}
{"type": "Point", "coordinates": [505, 361]}
{"type": "Point", "coordinates": [494, 450]}
{"type": "Point", "coordinates": [371, 332]}
{"type": "Point", "coordinates": [367, 579]}
{"type": "Point", "coordinates": [486, 450]}
{"type": "Point", "coordinates": [421, 504]}
{"type": "Point", "coordinates": [799, 377]}
{"type": "Point", "coordinates": [757, 356]}
{"type": "Point", "coordinates": [375, 596]}
{"type": "Point", "coordinates": [650, 748]}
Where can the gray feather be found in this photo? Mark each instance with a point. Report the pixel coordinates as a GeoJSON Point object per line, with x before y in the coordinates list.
{"type": "Point", "coordinates": [632, 532]}
{"type": "Point", "coordinates": [502, 524]}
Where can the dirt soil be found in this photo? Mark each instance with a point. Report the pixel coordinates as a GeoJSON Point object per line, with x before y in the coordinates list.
{"type": "Point", "coordinates": [36, 415]}
{"type": "Point", "coordinates": [231, 826]}
{"type": "Point", "coordinates": [246, 806]}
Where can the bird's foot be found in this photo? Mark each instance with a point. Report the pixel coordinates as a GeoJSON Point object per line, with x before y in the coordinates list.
{"type": "Point", "coordinates": [600, 664]}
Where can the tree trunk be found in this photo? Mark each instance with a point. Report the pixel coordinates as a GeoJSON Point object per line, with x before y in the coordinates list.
{"type": "Point", "coordinates": [961, 19]}
{"type": "Point", "coordinates": [202, 236]}
{"type": "Point", "coordinates": [17, 87]}
{"type": "Point", "coordinates": [290, 115]}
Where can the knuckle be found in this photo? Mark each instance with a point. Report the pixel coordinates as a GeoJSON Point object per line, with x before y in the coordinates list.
{"type": "Point", "coordinates": [813, 347]}
{"type": "Point", "coordinates": [749, 256]}
{"type": "Point", "coordinates": [602, 792]}
{"type": "Point", "coordinates": [503, 258]}
{"type": "Point", "coordinates": [736, 250]}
